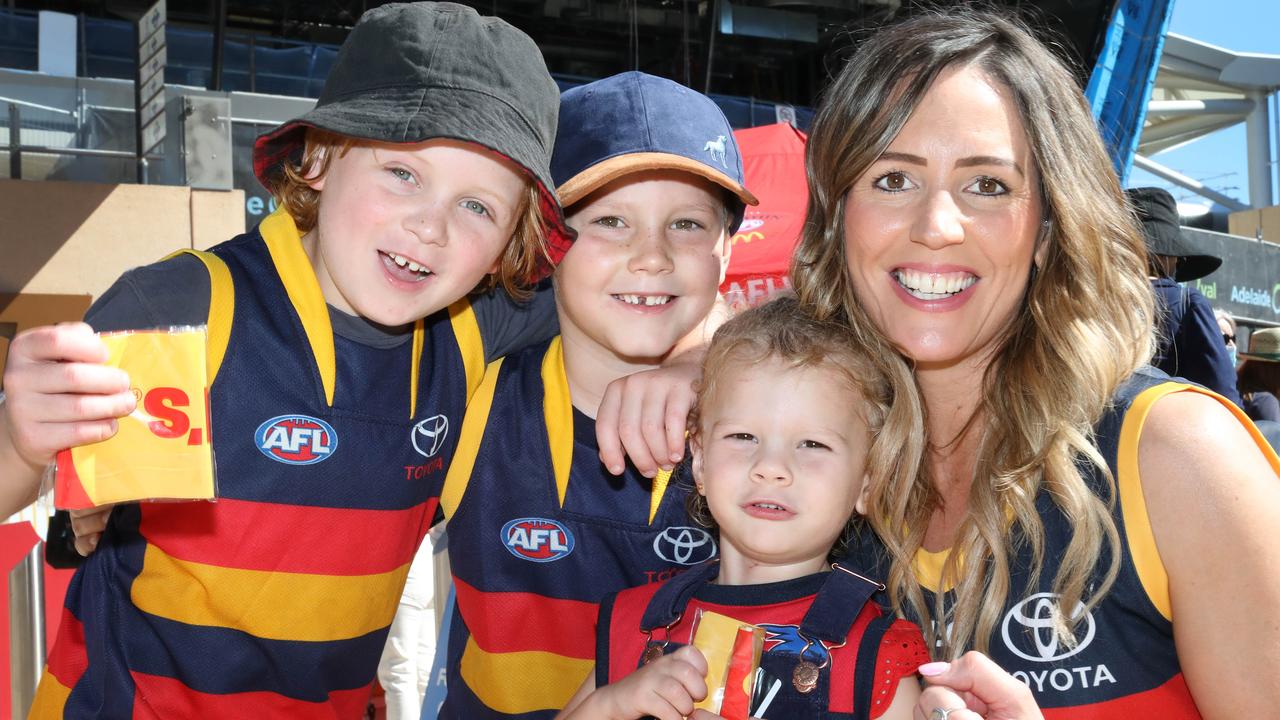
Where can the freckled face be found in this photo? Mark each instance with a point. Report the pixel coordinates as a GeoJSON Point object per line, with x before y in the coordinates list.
{"type": "Point", "coordinates": [646, 266]}
{"type": "Point", "coordinates": [941, 230]}
{"type": "Point", "coordinates": [405, 230]}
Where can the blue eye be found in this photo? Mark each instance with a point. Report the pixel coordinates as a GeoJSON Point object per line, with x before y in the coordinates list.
{"type": "Point", "coordinates": [403, 175]}
{"type": "Point", "coordinates": [475, 206]}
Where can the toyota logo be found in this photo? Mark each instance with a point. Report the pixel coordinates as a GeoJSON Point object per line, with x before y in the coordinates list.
{"type": "Point", "coordinates": [429, 434]}
{"type": "Point", "coordinates": [1028, 629]}
{"type": "Point", "coordinates": [684, 545]}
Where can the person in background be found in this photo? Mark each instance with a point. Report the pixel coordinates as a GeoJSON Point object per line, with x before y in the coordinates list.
{"type": "Point", "coordinates": [1188, 340]}
{"type": "Point", "coordinates": [1259, 375]}
{"type": "Point", "coordinates": [1227, 325]}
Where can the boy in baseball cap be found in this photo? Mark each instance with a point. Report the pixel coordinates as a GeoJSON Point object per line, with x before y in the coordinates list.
{"type": "Point", "coordinates": [340, 331]}
{"type": "Point", "coordinates": [539, 529]}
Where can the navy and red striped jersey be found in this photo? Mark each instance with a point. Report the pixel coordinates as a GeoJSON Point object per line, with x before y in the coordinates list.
{"type": "Point", "coordinates": [539, 532]}
{"type": "Point", "coordinates": [274, 601]}
{"type": "Point", "coordinates": [859, 676]}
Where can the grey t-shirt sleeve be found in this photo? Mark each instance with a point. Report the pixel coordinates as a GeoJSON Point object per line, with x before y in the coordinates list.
{"type": "Point", "coordinates": [170, 292]}
{"type": "Point", "coordinates": [506, 325]}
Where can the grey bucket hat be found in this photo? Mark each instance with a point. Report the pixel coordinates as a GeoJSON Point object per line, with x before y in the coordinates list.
{"type": "Point", "coordinates": [410, 72]}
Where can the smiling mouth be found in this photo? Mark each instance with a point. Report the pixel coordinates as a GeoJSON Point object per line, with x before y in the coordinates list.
{"type": "Point", "coordinates": [644, 300]}
{"type": "Point", "coordinates": [933, 286]}
{"type": "Point", "coordinates": [404, 268]}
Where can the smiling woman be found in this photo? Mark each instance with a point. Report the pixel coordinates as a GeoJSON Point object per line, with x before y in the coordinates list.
{"type": "Point", "coordinates": [965, 222]}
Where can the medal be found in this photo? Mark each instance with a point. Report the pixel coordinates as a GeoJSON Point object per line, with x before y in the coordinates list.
{"type": "Point", "coordinates": [805, 676]}
{"type": "Point", "coordinates": [651, 653]}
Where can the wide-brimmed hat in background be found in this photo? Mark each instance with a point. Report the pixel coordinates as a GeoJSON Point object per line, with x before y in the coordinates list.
{"type": "Point", "coordinates": [1264, 344]}
{"type": "Point", "coordinates": [1162, 228]}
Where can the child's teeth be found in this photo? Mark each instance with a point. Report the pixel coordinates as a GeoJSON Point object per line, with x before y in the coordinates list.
{"type": "Point", "coordinates": [399, 260]}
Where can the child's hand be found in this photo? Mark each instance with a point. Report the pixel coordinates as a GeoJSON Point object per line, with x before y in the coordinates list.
{"type": "Point", "coordinates": [643, 416]}
{"type": "Point", "coordinates": [665, 689]}
{"type": "Point", "coordinates": [58, 394]}
{"type": "Point", "coordinates": [88, 526]}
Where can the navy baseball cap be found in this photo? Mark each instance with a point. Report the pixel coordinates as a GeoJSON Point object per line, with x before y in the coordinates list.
{"type": "Point", "coordinates": [633, 122]}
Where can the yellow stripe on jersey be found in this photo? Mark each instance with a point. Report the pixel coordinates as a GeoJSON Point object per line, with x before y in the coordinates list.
{"type": "Point", "coordinates": [660, 482]}
{"type": "Point", "coordinates": [415, 365]}
{"type": "Point", "coordinates": [557, 409]}
{"type": "Point", "coordinates": [294, 268]}
{"type": "Point", "coordinates": [222, 305]}
{"type": "Point", "coordinates": [272, 605]}
{"type": "Point", "coordinates": [466, 330]}
{"type": "Point", "coordinates": [1137, 524]}
{"type": "Point", "coordinates": [51, 698]}
{"type": "Point", "coordinates": [522, 682]}
{"type": "Point", "coordinates": [469, 439]}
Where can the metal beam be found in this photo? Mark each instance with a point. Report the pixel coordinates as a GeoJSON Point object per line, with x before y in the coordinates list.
{"type": "Point", "coordinates": [1200, 107]}
{"type": "Point", "coordinates": [1191, 184]}
{"type": "Point", "coordinates": [1258, 139]}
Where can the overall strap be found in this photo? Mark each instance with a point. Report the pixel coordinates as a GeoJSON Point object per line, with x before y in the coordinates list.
{"type": "Point", "coordinates": [838, 604]}
{"type": "Point", "coordinates": [668, 603]}
{"type": "Point", "coordinates": [222, 302]}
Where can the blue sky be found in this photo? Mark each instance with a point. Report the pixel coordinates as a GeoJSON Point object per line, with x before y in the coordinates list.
{"type": "Point", "coordinates": [1219, 160]}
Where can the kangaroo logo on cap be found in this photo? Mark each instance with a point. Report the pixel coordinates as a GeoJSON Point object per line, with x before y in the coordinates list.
{"type": "Point", "coordinates": [716, 148]}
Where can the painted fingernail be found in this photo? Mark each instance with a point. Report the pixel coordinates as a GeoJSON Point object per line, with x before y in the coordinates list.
{"type": "Point", "coordinates": [933, 669]}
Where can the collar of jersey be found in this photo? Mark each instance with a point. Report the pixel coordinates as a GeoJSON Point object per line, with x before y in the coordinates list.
{"type": "Point", "coordinates": [284, 242]}
{"type": "Point", "coordinates": [557, 409]}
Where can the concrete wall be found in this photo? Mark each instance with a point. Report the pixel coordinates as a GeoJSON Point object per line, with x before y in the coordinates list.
{"type": "Point", "coordinates": [73, 238]}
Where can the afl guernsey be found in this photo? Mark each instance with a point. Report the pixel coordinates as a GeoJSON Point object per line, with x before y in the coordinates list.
{"type": "Point", "coordinates": [1123, 664]}
{"type": "Point", "coordinates": [539, 531]}
{"type": "Point", "coordinates": [826, 619]}
{"type": "Point", "coordinates": [274, 601]}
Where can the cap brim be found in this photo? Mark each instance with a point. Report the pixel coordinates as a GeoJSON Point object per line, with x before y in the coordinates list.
{"type": "Point", "coordinates": [606, 171]}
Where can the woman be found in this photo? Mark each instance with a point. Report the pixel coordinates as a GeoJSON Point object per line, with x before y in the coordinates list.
{"type": "Point", "coordinates": [965, 220]}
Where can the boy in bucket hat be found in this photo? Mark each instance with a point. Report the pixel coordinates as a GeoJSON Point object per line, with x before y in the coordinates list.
{"type": "Point", "coordinates": [423, 169]}
{"type": "Point", "coordinates": [1189, 343]}
{"type": "Point", "coordinates": [539, 529]}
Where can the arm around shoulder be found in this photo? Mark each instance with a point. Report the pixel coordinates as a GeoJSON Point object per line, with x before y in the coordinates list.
{"type": "Point", "coordinates": [1213, 495]}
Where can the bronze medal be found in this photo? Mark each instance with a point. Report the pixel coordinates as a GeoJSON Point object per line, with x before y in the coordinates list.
{"type": "Point", "coordinates": [805, 676]}
{"type": "Point", "coordinates": [651, 653]}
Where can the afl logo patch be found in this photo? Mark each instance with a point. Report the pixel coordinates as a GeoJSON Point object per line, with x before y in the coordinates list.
{"type": "Point", "coordinates": [537, 539]}
{"type": "Point", "coordinates": [684, 545]}
{"type": "Point", "coordinates": [296, 439]}
{"type": "Point", "coordinates": [1029, 632]}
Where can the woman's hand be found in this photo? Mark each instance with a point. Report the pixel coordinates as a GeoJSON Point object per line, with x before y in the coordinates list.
{"type": "Point", "coordinates": [971, 688]}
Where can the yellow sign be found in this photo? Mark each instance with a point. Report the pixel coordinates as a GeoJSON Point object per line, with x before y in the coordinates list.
{"type": "Point", "coordinates": [162, 449]}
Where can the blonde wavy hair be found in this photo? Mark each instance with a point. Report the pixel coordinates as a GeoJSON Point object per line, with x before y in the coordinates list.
{"type": "Point", "coordinates": [785, 330]}
{"type": "Point", "coordinates": [1084, 325]}
{"type": "Point", "coordinates": [521, 259]}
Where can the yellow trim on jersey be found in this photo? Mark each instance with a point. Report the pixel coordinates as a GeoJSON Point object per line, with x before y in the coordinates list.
{"type": "Point", "coordinates": [222, 305]}
{"type": "Point", "coordinates": [51, 698]}
{"type": "Point", "coordinates": [469, 439]}
{"type": "Point", "coordinates": [522, 682]}
{"type": "Point", "coordinates": [415, 366]}
{"type": "Point", "coordinates": [1133, 504]}
{"type": "Point", "coordinates": [660, 482]}
{"type": "Point", "coordinates": [467, 332]}
{"type": "Point", "coordinates": [267, 604]}
{"type": "Point", "coordinates": [557, 410]}
{"type": "Point", "coordinates": [928, 567]}
{"type": "Point", "coordinates": [300, 283]}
